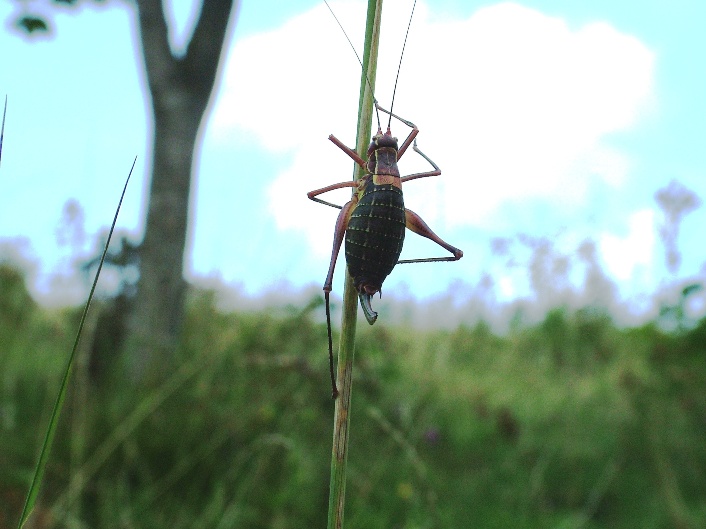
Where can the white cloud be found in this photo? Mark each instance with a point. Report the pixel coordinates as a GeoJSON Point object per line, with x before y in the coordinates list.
{"type": "Point", "coordinates": [634, 252]}
{"type": "Point", "coordinates": [511, 103]}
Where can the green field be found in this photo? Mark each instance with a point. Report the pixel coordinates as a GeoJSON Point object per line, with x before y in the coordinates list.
{"type": "Point", "coordinates": [571, 423]}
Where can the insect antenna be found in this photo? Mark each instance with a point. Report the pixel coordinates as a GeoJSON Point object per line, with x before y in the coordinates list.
{"type": "Point", "coordinates": [399, 66]}
{"type": "Point", "coordinates": [377, 113]}
{"type": "Point", "coordinates": [2, 130]}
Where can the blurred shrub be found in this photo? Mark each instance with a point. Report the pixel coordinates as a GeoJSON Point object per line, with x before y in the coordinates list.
{"type": "Point", "coordinates": [573, 422]}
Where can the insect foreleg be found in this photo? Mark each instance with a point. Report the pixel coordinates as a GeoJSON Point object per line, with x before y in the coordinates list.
{"type": "Point", "coordinates": [412, 140]}
{"type": "Point", "coordinates": [435, 172]}
{"type": "Point", "coordinates": [412, 135]}
{"type": "Point", "coordinates": [415, 223]}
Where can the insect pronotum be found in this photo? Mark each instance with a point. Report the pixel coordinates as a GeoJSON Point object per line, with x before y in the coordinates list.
{"type": "Point", "coordinates": [374, 221]}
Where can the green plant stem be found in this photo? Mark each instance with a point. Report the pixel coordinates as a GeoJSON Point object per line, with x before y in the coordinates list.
{"type": "Point", "coordinates": [339, 453]}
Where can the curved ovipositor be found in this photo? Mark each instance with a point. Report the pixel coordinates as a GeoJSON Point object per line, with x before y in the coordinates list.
{"type": "Point", "coordinates": [368, 311]}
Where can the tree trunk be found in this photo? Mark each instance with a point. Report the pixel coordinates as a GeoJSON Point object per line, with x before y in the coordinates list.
{"type": "Point", "coordinates": [180, 88]}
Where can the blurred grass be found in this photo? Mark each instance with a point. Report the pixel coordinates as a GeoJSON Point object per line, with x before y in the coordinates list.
{"type": "Point", "coordinates": [572, 423]}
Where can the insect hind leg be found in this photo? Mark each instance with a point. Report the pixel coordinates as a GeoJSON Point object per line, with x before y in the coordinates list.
{"type": "Point", "coordinates": [339, 233]}
{"type": "Point", "coordinates": [416, 224]}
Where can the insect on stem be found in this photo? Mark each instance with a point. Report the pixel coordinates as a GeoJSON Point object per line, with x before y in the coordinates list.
{"type": "Point", "coordinates": [373, 223]}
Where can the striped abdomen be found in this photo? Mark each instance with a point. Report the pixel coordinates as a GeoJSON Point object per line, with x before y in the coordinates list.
{"type": "Point", "coordinates": [375, 235]}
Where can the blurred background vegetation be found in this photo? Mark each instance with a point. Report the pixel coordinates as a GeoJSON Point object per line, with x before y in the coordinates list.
{"type": "Point", "coordinates": [572, 421]}
{"type": "Point", "coordinates": [564, 411]}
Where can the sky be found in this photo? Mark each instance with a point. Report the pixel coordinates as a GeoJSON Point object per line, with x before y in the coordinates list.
{"type": "Point", "coordinates": [550, 120]}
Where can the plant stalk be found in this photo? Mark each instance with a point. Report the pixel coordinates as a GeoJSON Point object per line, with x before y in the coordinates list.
{"type": "Point", "coordinates": [339, 453]}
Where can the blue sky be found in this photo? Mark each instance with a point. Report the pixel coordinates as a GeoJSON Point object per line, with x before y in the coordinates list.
{"type": "Point", "coordinates": [550, 118]}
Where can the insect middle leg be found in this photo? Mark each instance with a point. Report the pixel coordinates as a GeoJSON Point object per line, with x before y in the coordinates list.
{"type": "Point", "coordinates": [313, 194]}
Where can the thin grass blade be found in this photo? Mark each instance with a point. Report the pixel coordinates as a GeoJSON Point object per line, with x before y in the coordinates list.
{"type": "Point", "coordinates": [56, 412]}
